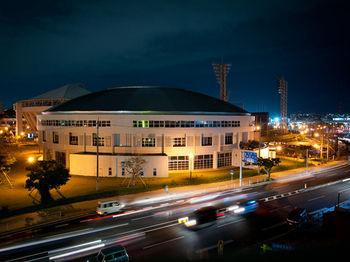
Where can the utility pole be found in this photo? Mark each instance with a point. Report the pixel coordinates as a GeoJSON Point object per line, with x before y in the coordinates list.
{"type": "Point", "coordinates": [240, 169]}
{"type": "Point", "coordinates": [97, 151]}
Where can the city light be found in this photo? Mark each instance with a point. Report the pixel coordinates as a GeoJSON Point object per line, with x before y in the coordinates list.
{"type": "Point", "coordinates": [279, 148]}
{"type": "Point", "coordinates": [22, 133]}
{"type": "Point", "coordinates": [31, 159]}
{"type": "Point", "coordinates": [257, 128]}
{"type": "Point", "coordinates": [316, 135]}
{"type": "Point", "coordinates": [1, 132]}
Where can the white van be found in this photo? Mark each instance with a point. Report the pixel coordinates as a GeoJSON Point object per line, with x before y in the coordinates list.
{"type": "Point", "coordinates": [108, 207]}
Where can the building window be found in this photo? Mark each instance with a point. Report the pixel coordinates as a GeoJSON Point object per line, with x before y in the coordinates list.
{"type": "Point", "coordinates": [228, 139]}
{"type": "Point", "coordinates": [73, 140]}
{"type": "Point", "coordinates": [183, 123]}
{"type": "Point", "coordinates": [178, 163]}
{"type": "Point", "coordinates": [55, 137]}
{"type": "Point", "coordinates": [154, 171]}
{"type": "Point", "coordinates": [224, 159]}
{"type": "Point", "coordinates": [148, 142]}
{"type": "Point", "coordinates": [109, 171]}
{"type": "Point", "coordinates": [44, 136]}
{"type": "Point", "coordinates": [179, 141]}
{"type": "Point", "coordinates": [60, 157]}
{"type": "Point", "coordinates": [207, 140]}
{"type": "Point", "coordinates": [122, 163]}
{"type": "Point", "coordinates": [101, 140]}
{"type": "Point", "coordinates": [203, 161]}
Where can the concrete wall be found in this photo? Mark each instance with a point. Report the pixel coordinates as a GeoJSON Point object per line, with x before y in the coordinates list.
{"type": "Point", "coordinates": [85, 164]}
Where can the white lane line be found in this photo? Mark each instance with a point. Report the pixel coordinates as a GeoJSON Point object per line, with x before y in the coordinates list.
{"type": "Point", "coordinates": [313, 199]}
{"type": "Point", "coordinates": [140, 229]}
{"type": "Point", "coordinates": [155, 229]}
{"type": "Point", "coordinates": [23, 258]}
{"type": "Point", "coordinates": [229, 223]}
{"type": "Point", "coordinates": [135, 219]}
{"type": "Point", "coordinates": [164, 242]}
{"type": "Point", "coordinates": [273, 226]}
{"type": "Point", "coordinates": [61, 236]}
{"type": "Point", "coordinates": [63, 225]}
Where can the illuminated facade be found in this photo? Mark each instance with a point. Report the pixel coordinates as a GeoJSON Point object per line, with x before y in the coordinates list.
{"type": "Point", "coordinates": [172, 129]}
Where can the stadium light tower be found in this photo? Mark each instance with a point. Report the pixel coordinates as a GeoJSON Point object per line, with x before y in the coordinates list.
{"type": "Point", "coordinates": [221, 71]}
{"type": "Point", "coordinates": [283, 91]}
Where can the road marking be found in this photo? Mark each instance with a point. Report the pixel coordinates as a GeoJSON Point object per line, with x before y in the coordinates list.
{"type": "Point", "coordinates": [23, 258]}
{"type": "Point", "coordinates": [135, 219]}
{"type": "Point", "coordinates": [229, 223]}
{"type": "Point", "coordinates": [139, 229]}
{"type": "Point", "coordinates": [312, 199]}
{"type": "Point", "coordinates": [273, 226]}
{"type": "Point", "coordinates": [155, 229]}
{"type": "Point", "coordinates": [61, 236]}
{"type": "Point", "coordinates": [164, 242]}
{"type": "Point", "coordinates": [62, 225]}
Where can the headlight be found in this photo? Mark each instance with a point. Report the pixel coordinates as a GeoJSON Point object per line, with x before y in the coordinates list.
{"type": "Point", "coordinates": [232, 208]}
{"type": "Point", "coordinates": [182, 220]}
{"type": "Point", "coordinates": [239, 210]}
{"type": "Point", "coordinates": [191, 223]}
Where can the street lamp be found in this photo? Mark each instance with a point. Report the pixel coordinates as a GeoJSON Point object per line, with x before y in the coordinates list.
{"type": "Point", "coordinates": [31, 160]}
{"type": "Point", "coordinates": [190, 156]}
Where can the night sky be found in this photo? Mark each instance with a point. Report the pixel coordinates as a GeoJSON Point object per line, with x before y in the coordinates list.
{"type": "Point", "coordinates": [46, 44]}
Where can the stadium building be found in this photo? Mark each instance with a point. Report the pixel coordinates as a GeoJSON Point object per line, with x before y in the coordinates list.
{"type": "Point", "coordinates": [172, 129]}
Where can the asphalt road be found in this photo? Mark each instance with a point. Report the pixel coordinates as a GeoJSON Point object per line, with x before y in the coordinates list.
{"type": "Point", "coordinates": [151, 232]}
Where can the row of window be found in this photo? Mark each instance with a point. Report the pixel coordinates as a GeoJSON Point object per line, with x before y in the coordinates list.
{"type": "Point", "coordinates": [200, 161]}
{"type": "Point", "coordinates": [146, 141]}
{"type": "Point", "coordinates": [154, 172]}
{"type": "Point", "coordinates": [197, 123]}
{"type": "Point", "coordinates": [77, 123]}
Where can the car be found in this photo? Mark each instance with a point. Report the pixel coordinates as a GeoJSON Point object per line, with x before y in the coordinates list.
{"type": "Point", "coordinates": [297, 216]}
{"type": "Point", "coordinates": [108, 207]}
{"type": "Point", "coordinates": [203, 217]}
{"type": "Point", "coordinates": [111, 254]}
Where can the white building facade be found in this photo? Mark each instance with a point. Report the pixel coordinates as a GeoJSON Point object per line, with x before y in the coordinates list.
{"type": "Point", "coordinates": [196, 132]}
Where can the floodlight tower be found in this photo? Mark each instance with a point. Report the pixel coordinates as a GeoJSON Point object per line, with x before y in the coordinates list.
{"type": "Point", "coordinates": [283, 91]}
{"type": "Point", "coordinates": [221, 71]}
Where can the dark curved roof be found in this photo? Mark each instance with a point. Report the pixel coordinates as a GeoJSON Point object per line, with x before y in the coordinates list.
{"type": "Point", "coordinates": [149, 100]}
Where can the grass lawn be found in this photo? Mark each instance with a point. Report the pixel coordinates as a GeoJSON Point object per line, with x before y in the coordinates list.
{"type": "Point", "coordinates": [81, 188]}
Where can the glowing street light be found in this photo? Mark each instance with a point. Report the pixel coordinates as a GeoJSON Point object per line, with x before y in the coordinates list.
{"type": "Point", "coordinates": [31, 160]}
{"type": "Point", "coordinates": [22, 133]}
{"type": "Point", "coordinates": [6, 128]}
{"type": "Point", "coordinates": [1, 132]}
{"type": "Point", "coordinates": [316, 135]}
{"type": "Point", "coordinates": [257, 128]}
{"type": "Point", "coordinates": [279, 148]}
{"type": "Point", "coordinates": [317, 146]}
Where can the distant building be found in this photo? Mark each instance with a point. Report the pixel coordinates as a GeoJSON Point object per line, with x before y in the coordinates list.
{"type": "Point", "coordinates": [306, 118]}
{"type": "Point", "coordinates": [262, 120]}
{"type": "Point", "coordinates": [172, 129]}
{"type": "Point", "coordinates": [8, 118]}
{"type": "Point", "coordinates": [30, 108]}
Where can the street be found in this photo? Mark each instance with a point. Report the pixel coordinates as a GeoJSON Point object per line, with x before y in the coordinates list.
{"type": "Point", "coordinates": [152, 232]}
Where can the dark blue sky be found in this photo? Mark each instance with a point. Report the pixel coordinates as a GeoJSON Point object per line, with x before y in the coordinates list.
{"type": "Point", "coordinates": [46, 44]}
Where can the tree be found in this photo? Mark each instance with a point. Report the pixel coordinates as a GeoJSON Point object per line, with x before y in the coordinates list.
{"type": "Point", "coordinates": [45, 176]}
{"type": "Point", "coordinates": [267, 164]}
{"type": "Point", "coordinates": [133, 168]}
{"type": "Point", "coordinates": [8, 147]}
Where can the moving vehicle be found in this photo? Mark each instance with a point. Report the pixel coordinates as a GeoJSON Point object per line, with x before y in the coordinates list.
{"type": "Point", "coordinates": [108, 207]}
{"type": "Point", "coordinates": [297, 216]}
{"type": "Point", "coordinates": [111, 254]}
{"type": "Point", "coordinates": [203, 217]}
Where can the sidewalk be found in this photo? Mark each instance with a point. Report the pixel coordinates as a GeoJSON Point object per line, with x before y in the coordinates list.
{"type": "Point", "coordinates": [88, 207]}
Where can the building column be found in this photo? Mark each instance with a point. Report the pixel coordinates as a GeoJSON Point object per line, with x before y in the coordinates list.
{"type": "Point", "coordinates": [19, 116]}
{"type": "Point", "coordinates": [215, 159]}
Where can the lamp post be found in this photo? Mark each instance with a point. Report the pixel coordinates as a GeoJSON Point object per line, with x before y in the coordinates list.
{"type": "Point", "coordinates": [97, 151]}
{"type": "Point", "coordinates": [258, 128]}
{"type": "Point", "coordinates": [190, 156]}
{"type": "Point", "coordinates": [307, 161]}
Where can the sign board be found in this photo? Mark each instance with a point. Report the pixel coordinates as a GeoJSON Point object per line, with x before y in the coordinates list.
{"type": "Point", "coordinates": [250, 157]}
